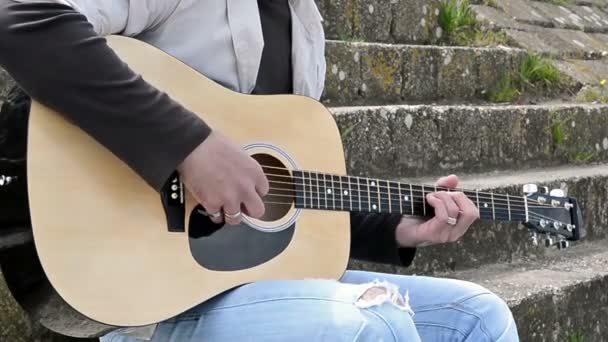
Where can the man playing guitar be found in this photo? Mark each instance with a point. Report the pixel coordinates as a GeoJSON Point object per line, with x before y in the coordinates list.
{"type": "Point", "coordinates": [55, 50]}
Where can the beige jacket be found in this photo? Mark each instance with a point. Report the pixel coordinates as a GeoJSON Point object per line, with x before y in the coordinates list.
{"type": "Point", "coordinates": [221, 39]}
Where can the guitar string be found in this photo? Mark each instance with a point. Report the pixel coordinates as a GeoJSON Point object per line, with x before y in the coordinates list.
{"type": "Point", "coordinates": [418, 200]}
{"type": "Point", "coordinates": [365, 178]}
{"type": "Point", "coordinates": [495, 195]}
{"type": "Point", "coordinates": [498, 205]}
{"type": "Point", "coordinates": [531, 214]}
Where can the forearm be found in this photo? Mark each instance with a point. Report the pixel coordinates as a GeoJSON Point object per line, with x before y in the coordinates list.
{"type": "Point", "coordinates": [53, 52]}
{"type": "Point", "coordinates": [373, 239]}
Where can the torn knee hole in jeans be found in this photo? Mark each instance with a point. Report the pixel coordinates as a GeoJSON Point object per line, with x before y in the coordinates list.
{"type": "Point", "coordinates": [380, 292]}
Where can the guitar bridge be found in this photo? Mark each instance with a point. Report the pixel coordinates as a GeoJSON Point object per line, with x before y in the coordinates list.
{"type": "Point", "coordinates": [172, 198]}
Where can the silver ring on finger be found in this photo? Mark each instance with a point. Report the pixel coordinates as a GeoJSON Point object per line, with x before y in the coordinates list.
{"type": "Point", "coordinates": [212, 215]}
{"type": "Point", "coordinates": [452, 221]}
{"type": "Point", "coordinates": [233, 216]}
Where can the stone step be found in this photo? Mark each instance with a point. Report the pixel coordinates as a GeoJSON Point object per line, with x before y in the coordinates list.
{"type": "Point", "coordinates": [542, 36]}
{"type": "Point", "coordinates": [409, 141]}
{"type": "Point", "coordinates": [374, 73]}
{"type": "Point", "coordinates": [561, 298]}
{"type": "Point", "coordinates": [488, 242]}
{"type": "Point", "coordinates": [554, 300]}
{"type": "Point", "coordinates": [395, 21]}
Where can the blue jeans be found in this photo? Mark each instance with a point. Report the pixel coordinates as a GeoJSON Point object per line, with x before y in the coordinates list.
{"type": "Point", "coordinates": [324, 310]}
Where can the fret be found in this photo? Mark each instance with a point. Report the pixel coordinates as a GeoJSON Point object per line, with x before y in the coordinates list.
{"type": "Point", "coordinates": [341, 195]}
{"type": "Point", "coordinates": [325, 191]}
{"type": "Point", "coordinates": [400, 198]}
{"type": "Point", "coordinates": [493, 206]}
{"type": "Point", "coordinates": [310, 188]}
{"type": "Point", "coordinates": [314, 187]}
{"type": "Point", "coordinates": [393, 194]}
{"type": "Point", "coordinates": [354, 194]}
{"type": "Point", "coordinates": [359, 192]}
{"type": "Point", "coordinates": [345, 193]}
{"type": "Point", "coordinates": [390, 204]}
{"type": "Point", "coordinates": [364, 195]}
{"type": "Point", "coordinates": [337, 191]}
{"type": "Point", "coordinates": [321, 191]}
{"type": "Point", "coordinates": [373, 195]}
{"type": "Point", "coordinates": [526, 207]}
{"type": "Point", "coordinates": [330, 193]}
{"type": "Point", "coordinates": [299, 187]}
{"type": "Point", "coordinates": [477, 194]}
{"type": "Point", "coordinates": [305, 188]}
{"type": "Point", "coordinates": [383, 196]}
{"type": "Point", "coordinates": [509, 206]}
{"type": "Point", "coordinates": [379, 191]}
{"type": "Point", "coordinates": [411, 198]}
{"type": "Point", "coordinates": [423, 201]}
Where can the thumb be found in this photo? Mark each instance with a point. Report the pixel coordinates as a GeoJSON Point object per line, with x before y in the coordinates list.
{"type": "Point", "coordinates": [450, 181]}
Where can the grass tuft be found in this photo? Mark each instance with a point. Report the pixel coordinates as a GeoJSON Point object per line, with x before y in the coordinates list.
{"type": "Point", "coordinates": [458, 22]}
{"type": "Point", "coordinates": [505, 91]}
{"type": "Point", "coordinates": [455, 16]}
{"type": "Point", "coordinates": [535, 73]}
{"type": "Point", "coordinates": [536, 70]}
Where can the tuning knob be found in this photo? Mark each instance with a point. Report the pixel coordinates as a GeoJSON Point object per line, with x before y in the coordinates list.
{"type": "Point", "coordinates": [544, 189]}
{"type": "Point", "coordinates": [530, 189]}
{"type": "Point", "coordinates": [534, 239]}
{"type": "Point", "coordinates": [548, 241]}
{"type": "Point", "coordinates": [562, 244]}
{"type": "Point", "coordinates": [557, 193]}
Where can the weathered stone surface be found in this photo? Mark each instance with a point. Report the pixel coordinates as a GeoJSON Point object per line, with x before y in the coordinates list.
{"type": "Point", "coordinates": [585, 71]}
{"type": "Point", "coordinates": [488, 242]}
{"type": "Point", "coordinates": [397, 21]}
{"type": "Point", "coordinates": [556, 300]}
{"type": "Point", "coordinates": [367, 73]}
{"type": "Point", "coordinates": [561, 297]}
{"type": "Point", "coordinates": [16, 326]}
{"type": "Point", "coordinates": [553, 298]}
{"type": "Point", "coordinates": [523, 11]}
{"type": "Point", "coordinates": [407, 141]}
{"type": "Point", "coordinates": [382, 74]}
{"type": "Point", "coordinates": [456, 76]}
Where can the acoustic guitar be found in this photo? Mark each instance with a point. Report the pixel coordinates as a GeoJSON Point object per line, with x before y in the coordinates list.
{"type": "Point", "coordinates": [122, 255]}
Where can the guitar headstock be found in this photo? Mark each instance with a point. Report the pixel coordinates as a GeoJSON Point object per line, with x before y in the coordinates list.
{"type": "Point", "coordinates": [553, 215]}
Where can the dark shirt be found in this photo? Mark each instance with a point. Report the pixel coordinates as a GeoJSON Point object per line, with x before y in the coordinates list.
{"type": "Point", "coordinates": [49, 49]}
{"type": "Point", "coordinates": [275, 74]}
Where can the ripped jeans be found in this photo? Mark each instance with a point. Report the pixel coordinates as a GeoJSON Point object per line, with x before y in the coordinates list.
{"type": "Point", "coordinates": [360, 307]}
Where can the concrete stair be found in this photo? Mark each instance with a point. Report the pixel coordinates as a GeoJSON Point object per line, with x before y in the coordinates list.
{"type": "Point", "coordinates": [562, 298]}
{"type": "Point", "coordinates": [555, 295]}
{"type": "Point", "coordinates": [375, 73]}
{"type": "Point", "coordinates": [414, 140]}
{"type": "Point", "coordinates": [395, 21]}
{"type": "Point", "coordinates": [558, 298]}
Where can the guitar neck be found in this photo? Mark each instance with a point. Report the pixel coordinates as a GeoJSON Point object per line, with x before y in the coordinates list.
{"type": "Point", "coordinates": [321, 191]}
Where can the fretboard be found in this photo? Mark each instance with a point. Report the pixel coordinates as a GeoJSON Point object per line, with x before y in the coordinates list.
{"type": "Point", "coordinates": [357, 194]}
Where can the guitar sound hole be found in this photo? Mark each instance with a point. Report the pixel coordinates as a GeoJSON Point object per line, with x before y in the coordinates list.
{"type": "Point", "coordinates": [281, 195]}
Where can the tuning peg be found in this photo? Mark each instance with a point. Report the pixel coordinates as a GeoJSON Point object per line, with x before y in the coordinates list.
{"type": "Point", "coordinates": [543, 189]}
{"type": "Point", "coordinates": [557, 193]}
{"type": "Point", "coordinates": [5, 180]}
{"type": "Point", "coordinates": [548, 240]}
{"type": "Point", "coordinates": [530, 188]}
{"type": "Point", "coordinates": [534, 239]}
{"type": "Point", "coordinates": [562, 244]}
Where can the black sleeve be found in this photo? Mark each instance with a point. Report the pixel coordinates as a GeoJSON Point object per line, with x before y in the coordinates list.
{"type": "Point", "coordinates": [373, 239]}
{"type": "Point", "coordinates": [53, 52]}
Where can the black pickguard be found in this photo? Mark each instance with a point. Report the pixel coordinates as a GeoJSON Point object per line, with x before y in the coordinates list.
{"type": "Point", "coordinates": [220, 247]}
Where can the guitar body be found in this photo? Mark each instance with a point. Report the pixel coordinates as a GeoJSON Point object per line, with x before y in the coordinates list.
{"type": "Point", "coordinates": [101, 232]}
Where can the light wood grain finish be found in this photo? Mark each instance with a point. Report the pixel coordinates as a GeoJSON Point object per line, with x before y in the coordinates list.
{"type": "Point", "coordinates": [100, 230]}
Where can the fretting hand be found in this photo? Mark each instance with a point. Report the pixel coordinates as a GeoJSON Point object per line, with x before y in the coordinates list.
{"type": "Point", "coordinates": [225, 180]}
{"type": "Point", "coordinates": [454, 214]}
